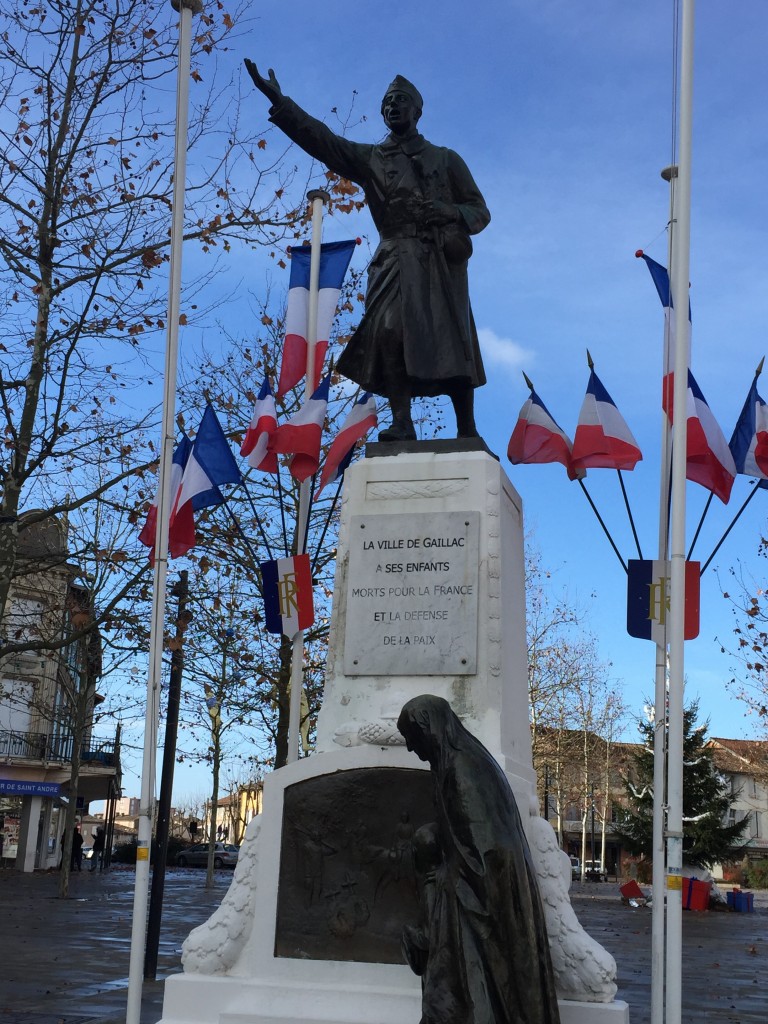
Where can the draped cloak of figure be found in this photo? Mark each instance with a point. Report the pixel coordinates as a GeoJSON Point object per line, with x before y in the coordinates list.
{"type": "Point", "coordinates": [487, 959]}
{"type": "Point", "coordinates": [418, 323]}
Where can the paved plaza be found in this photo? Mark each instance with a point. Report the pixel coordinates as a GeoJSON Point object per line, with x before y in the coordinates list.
{"type": "Point", "coordinates": [66, 961]}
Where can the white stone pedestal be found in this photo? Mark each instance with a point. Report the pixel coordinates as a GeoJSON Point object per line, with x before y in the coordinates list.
{"type": "Point", "coordinates": [264, 988]}
{"type": "Point", "coordinates": [459, 526]}
{"type": "Point", "coordinates": [429, 597]}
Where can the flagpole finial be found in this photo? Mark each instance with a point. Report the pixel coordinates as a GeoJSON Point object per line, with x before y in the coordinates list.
{"type": "Point", "coordinates": [590, 363]}
{"type": "Point", "coordinates": [759, 369]}
{"type": "Point", "coordinates": [639, 254]}
{"type": "Point", "coordinates": [196, 6]}
{"type": "Point", "coordinates": [527, 380]}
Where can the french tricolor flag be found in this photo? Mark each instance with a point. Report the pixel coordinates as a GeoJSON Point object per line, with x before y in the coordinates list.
{"type": "Point", "coordinates": [148, 533]}
{"type": "Point", "coordinates": [288, 601]}
{"type": "Point", "coordinates": [660, 277]}
{"type": "Point", "coordinates": [537, 438]}
{"type": "Point", "coordinates": [210, 464]}
{"type": "Point", "coordinates": [334, 260]}
{"type": "Point", "coordinates": [361, 419]}
{"type": "Point", "coordinates": [603, 440]}
{"type": "Point", "coordinates": [749, 444]}
{"type": "Point", "coordinates": [300, 437]}
{"type": "Point", "coordinates": [262, 426]}
{"type": "Point", "coordinates": [710, 462]}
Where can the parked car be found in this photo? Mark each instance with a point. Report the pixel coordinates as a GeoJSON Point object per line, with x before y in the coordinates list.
{"type": "Point", "coordinates": [575, 867]}
{"type": "Point", "coordinates": [224, 856]}
{"type": "Point", "coordinates": [593, 870]}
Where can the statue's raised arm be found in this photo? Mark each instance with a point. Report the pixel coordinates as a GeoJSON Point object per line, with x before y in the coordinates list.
{"type": "Point", "coordinates": [269, 86]}
{"type": "Point", "coordinates": [417, 336]}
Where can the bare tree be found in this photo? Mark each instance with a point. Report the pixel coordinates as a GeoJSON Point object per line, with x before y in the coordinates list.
{"type": "Point", "coordinates": [749, 645]}
{"type": "Point", "coordinates": [261, 521]}
{"type": "Point", "coordinates": [575, 715]}
{"type": "Point", "coordinates": [85, 186]}
{"type": "Point", "coordinates": [552, 638]}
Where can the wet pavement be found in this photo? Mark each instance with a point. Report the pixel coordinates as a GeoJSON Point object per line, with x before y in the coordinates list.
{"type": "Point", "coordinates": [66, 961]}
{"type": "Point", "coordinates": [725, 956]}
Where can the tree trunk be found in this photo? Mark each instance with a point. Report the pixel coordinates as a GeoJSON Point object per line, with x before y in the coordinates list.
{"type": "Point", "coordinates": [80, 700]}
{"type": "Point", "coordinates": [14, 480]}
{"type": "Point", "coordinates": [560, 836]}
{"type": "Point", "coordinates": [214, 805]}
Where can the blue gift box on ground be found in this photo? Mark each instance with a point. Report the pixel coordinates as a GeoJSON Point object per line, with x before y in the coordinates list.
{"type": "Point", "coordinates": [743, 902]}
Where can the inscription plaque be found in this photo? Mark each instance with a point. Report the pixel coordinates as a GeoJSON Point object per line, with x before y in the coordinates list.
{"type": "Point", "coordinates": [347, 881]}
{"type": "Point", "coordinates": [412, 594]}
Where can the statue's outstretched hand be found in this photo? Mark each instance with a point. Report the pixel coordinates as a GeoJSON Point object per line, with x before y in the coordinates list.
{"type": "Point", "coordinates": [269, 86]}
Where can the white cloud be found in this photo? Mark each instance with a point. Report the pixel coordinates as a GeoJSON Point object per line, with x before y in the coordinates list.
{"type": "Point", "coordinates": [503, 352]}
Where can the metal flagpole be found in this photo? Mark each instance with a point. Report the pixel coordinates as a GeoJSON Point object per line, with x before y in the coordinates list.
{"type": "Point", "coordinates": [658, 878]}
{"type": "Point", "coordinates": [186, 9]}
{"type": "Point", "coordinates": [679, 279]}
{"type": "Point", "coordinates": [318, 198]}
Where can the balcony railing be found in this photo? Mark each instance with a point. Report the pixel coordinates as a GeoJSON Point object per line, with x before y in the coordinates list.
{"type": "Point", "coordinates": [37, 746]}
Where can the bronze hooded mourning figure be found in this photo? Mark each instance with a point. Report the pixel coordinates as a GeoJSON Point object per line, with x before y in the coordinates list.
{"type": "Point", "coordinates": [482, 950]}
{"type": "Point", "coordinates": [417, 336]}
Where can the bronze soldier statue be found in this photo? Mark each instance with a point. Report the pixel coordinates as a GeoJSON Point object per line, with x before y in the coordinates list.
{"type": "Point", "coordinates": [417, 336]}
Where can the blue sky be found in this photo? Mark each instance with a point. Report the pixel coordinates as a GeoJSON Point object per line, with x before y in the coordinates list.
{"type": "Point", "coordinates": [563, 113]}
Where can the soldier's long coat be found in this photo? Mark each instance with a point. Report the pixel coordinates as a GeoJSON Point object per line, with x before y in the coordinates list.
{"type": "Point", "coordinates": [418, 319]}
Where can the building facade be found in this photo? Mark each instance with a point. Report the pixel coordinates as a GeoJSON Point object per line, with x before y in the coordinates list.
{"type": "Point", "coordinates": [48, 693]}
{"type": "Point", "coordinates": [582, 786]}
{"type": "Point", "coordinates": [744, 763]}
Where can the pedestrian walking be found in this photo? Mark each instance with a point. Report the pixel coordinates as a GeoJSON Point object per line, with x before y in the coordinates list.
{"type": "Point", "coordinates": [98, 849]}
{"type": "Point", "coordinates": [76, 861]}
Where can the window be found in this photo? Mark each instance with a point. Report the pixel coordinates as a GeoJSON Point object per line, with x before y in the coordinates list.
{"type": "Point", "coordinates": [16, 696]}
{"type": "Point", "coordinates": [24, 621]}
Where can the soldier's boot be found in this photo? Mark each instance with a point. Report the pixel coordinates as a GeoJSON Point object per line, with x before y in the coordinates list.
{"type": "Point", "coordinates": [464, 406]}
{"type": "Point", "coordinates": [401, 428]}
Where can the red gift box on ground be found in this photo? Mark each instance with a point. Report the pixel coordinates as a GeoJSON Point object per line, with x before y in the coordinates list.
{"type": "Point", "coordinates": [631, 890]}
{"type": "Point", "coordinates": [695, 894]}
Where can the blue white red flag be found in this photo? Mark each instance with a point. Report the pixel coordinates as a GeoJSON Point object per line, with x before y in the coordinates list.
{"type": "Point", "coordinates": [210, 464]}
{"type": "Point", "coordinates": [709, 461]}
{"type": "Point", "coordinates": [148, 533]}
{"type": "Point", "coordinates": [361, 419]}
{"type": "Point", "coordinates": [537, 438]}
{"type": "Point", "coordinates": [300, 437]}
{"type": "Point", "coordinates": [262, 426]}
{"type": "Point", "coordinates": [648, 599]}
{"type": "Point", "coordinates": [334, 260]}
{"type": "Point", "coordinates": [288, 603]}
{"type": "Point", "coordinates": [603, 440]}
{"type": "Point", "coordinates": [660, 278]}
{"type": "Point", "coordinates": [749, 444]}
